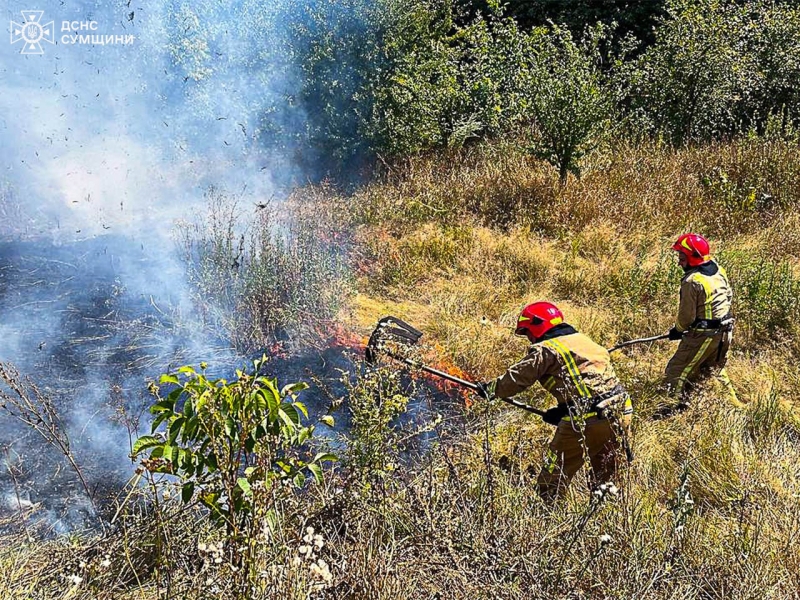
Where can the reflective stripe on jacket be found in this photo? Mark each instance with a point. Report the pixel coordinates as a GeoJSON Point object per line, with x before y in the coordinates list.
{"type": "Point", "coordinates": [705, 294]}
{"type": "Point", "coordinates": [570, 366]}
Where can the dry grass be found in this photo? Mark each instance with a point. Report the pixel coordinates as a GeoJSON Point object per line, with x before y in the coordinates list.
{"type": "Point", "coordinates": [649, 189]}
{"type": "Point", "coordinates": [599, 249]}
{"type": "Point", "coordinates": [456, 244]}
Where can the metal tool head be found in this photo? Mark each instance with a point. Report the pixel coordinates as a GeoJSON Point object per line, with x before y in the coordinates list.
{"type": "Point", "coordinates": [392, 331]}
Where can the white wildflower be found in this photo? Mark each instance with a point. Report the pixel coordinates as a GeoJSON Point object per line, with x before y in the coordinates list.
{"type": "Point", "coordinates": [613, 490]}
{"type": "Point", "coordinates": [321, 570]}
{"type": "Point", "coordinates": [605, 539]}
{"type": "Point", "coordinates": [327, 576]}
{"type": "Point", "coordinates": [75, 579]}
{"type": "Point", "coordinates": [105, 563]}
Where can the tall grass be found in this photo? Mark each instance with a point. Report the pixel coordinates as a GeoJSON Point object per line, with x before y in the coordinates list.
{"type": "Point", "coordinates": [260, 275]}
{"type": "Point", "coordinates": [709, 509]}
{"type": "Point", "coordinates": [647, 188]}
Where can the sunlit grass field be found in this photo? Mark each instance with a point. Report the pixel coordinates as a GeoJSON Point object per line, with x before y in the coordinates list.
{"type": "Point", "coordinates": [457, 244]}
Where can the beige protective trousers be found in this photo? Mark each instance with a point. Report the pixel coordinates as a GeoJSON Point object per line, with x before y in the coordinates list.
{"type": "Point", "coordinates": [698, 355]}
{"type": "Point", "coordinates": [565, 455]}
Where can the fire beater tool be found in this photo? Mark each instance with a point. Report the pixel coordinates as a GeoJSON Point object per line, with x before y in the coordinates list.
{"type": "Point", "coordinates": [392, 332]}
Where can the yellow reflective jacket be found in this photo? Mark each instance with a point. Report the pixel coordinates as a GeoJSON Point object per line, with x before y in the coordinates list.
{"type": "Point", "coordinates": [705, 294]}
{"type": "Point", "coordinates": [568, 364]}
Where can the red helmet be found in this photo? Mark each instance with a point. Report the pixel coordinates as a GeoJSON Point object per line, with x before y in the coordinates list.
{"type": "Point", "coordinates": [538, 318]}
{"type": "Point", "coordinates": [694, 247]}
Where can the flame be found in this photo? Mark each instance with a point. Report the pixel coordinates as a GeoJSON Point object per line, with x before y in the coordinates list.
{"type": "Point", "coordinates": [448, 387]}
{"type": "Point", "coordinates": [277, 350]}
{"type": "Point", "coordinates": [338, 336]}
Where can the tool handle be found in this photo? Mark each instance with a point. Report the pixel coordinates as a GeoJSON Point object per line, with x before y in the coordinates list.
{"type": "Point", "coordinates": [523, 406]}
{"type": "Point", "coordinates": [462, 382]}
{"type": "Point", "coordinates": [628, 453]}
{"type": "Point", "coordinates": [443, 375]}
{"type": "Point", "coordinates": [474, 388]}
{"type": "Point", "coordinates": [663, 336]}
{"type": "Point", "coordinates": [470, 385]}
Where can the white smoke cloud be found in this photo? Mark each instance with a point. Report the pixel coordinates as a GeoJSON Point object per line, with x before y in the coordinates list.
{"type": "Point", "coordinates": [102, 150]}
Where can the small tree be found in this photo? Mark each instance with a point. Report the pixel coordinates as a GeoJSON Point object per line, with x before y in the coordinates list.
{"type": "Point", "coordinates": [696, 81]}
{"type": "Point", "coordinates": [230, 443]}
{"type": "Point", "coordinates": [568, 98]}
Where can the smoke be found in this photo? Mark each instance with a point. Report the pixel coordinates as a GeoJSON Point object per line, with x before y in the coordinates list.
{"type": "Point", "coordinates": [126, 136]}
{"type": "Point", "coordinates": [103, 149]}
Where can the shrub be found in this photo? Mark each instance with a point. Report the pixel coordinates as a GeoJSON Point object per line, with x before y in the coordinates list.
{"type": "Point", "coordinates": [267, 279]}
{"type": "Point", "coordinates": [717, 67]}
{"type": "Point", "coordinates": [231, 445]}
{"type": "Point", "coordinates": [569, 101]}
{"type": "Point", "coordinates": [375, 400]}
{"type": "Point", "coordinates": [766, 300]}
{"type": "Point", "coordinates": [217, 431]}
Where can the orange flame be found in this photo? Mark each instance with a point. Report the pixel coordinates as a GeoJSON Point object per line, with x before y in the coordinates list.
{"type": "Point", "coordinates": [277, 350]}
{"type": "Point", "coordinates": [448, 387]}
{"type": "Point", "coordinates": [337, 336]}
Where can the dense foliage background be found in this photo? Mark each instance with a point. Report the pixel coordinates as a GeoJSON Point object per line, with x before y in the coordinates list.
{"type": "Point", "coordinates": [391, 78]}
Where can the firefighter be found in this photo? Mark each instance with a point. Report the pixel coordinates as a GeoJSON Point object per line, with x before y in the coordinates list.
{"type": "Point", "coordinates": [704, 325]}
{"type": "Point", "coordinates": [593, 410]}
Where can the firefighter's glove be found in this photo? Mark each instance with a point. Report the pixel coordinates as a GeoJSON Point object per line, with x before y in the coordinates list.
{"type": "Point", "coordinates": [554, 415]}
{"type": "Point", "coordinates": [485, 390]}
{"type": "Point", "coordinates": [674, 334]}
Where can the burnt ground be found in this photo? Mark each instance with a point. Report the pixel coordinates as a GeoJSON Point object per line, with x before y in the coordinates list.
{"type": "Point", "coordinates": [90, 323]}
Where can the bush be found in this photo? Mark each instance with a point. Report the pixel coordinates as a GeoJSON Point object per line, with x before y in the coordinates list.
{"type": "Point", "coordinates": [376, 398]}
{"type": "Point", "coordinates": [231, 445]}
{"type": "Point", "coordinates": [569, 102]}
{"type": "Point", "coordinates": [271, 279]}
{"type": "Point", "coordinates": [357, 80]}
{"type": "Point", "coordinates": [717, 68]}
{"type": "Point", "coordinates": [393, 78]}
{"type": "Point", "coordinates": [217, 431]}
{"type": "Point", "coordinates": [767, 298]}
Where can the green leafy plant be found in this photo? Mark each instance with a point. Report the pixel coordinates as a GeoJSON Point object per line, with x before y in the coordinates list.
{"type": "Point", "coordinates": [230, 443]}
{"type": "Point", "coordinates": [375, 399]}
